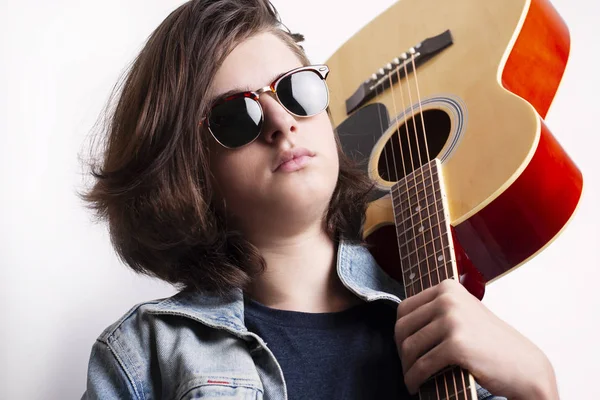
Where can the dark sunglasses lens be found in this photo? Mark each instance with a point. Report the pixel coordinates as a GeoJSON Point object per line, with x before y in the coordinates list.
{"type": "Point", "coordinates": [236, 122]}
{"type": "Point", "coordinates": [303, 93]}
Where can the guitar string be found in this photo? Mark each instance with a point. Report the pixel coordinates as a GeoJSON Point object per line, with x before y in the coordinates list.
{"type": "Point", "coordinates": [403, 161]}
{"type": "Point", "coordinates": [392, 147]}
{"type": "Point", "coordinates": [382, 129]}
{"type": "Point", "coordinates": [465, 387]}
{"type": "Point", "coordinates": [427, 155]}
{"type": "Point", "coordinates": [396, 172]}
{"type": "Point", "coordinates": [446, 387]}
{"type": "Point", "coordinates": [418, 146]}
{"type": "Point", "coordinates": [412, 116]}
{"type": "Point", "coordinates": [452, 380]}
{"type": "Point", "coordinates": [413, 168]}
{"type": "Point", "coordinates": [413, 51]}
{"type": "Point", "coordinates": [404, 165]}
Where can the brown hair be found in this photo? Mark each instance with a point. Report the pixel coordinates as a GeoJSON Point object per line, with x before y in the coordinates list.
{"type": "Point", "coordinates": [152, 180]}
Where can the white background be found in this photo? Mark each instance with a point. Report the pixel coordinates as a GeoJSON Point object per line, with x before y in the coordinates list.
{"type": "Point", "coordinates": [61, 284]}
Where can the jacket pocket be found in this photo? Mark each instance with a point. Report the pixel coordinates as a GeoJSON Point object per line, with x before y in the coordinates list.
{"type": "Point", "coordinates": [222, 388]}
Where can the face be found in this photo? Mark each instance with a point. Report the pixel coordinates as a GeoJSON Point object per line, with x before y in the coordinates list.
{"type": "Point", "coordinates": [260, 194]}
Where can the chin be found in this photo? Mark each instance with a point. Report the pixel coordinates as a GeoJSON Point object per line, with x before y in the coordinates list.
{"type": "Point", "coordinates": [296, 197]}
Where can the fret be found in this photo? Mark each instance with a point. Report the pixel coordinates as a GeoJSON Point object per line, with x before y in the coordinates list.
{"type": "Point", "coordinates": [413, 260]}
{"type": "Point", "coordinates": [418, 173]}
{"type": "Point", "coordinates": [424, 281]}
{"type": "Point", "coordinates": [421, 199]}
{"type": "Point", "coordinates": [406, 216]}
{"type": "Point", "coordinates": [427, 194]}
{"type": "Point", "coordinates": [408, 189]}
{"type": "Point", "coordinates": [421, 282]}
{"type": "Point", "coordinates": [413, 288]}
{"type": "Point", "coordinates": [449, 376]}
{"type": "Point", "coordinates": [407, 186]}
{"type": "Point", "coordinates": [447, 384]}
{"type": "Point", "coordinates": [412, 179]}
{"type": "Point", "coordinates": [416, 211]}
{"type": "Point", "coordinates": [426, 275]}
{"type": "Point", "coordinates": [443, 371]}
{"type": "Point", "coordinates": [400, 197]}
{"type": "Point", "coordinates": [411, 248]}
{"type": "Point", "coordinates": [423, 233]}
{"type": "Point", "coordinates": [456, 395]}
{"type": "Point", "coordinates": [405, 219]}
{"type": "Point", "coordinates": [413, 189]}
{"type": "Point", "coordinates": [429, 279]}
{"type": "Point", "coordinates": [429, 266]}
{"type": "Point", "coordinates": [461, 380]}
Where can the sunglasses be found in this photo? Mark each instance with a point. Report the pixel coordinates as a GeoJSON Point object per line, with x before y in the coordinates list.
{"type": "Point", "coordinates": [237, 120]}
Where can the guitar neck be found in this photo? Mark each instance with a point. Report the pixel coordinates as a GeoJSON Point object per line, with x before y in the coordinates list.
{"type": "Point", "coordinates": [427, 258]}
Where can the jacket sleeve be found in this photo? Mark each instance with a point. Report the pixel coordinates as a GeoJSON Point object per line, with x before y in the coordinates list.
{"type": "Point", "coordinates": [107, 378]}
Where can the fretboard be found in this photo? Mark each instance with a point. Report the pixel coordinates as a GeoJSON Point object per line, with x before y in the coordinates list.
{"type": "Point", "coordinates": [427, 258]}
{"type": "Point", "coordinates": [423, 229]}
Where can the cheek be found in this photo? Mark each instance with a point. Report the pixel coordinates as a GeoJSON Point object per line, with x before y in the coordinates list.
{"type": "Point", "coordinates": [326, 140]}
{"type": "Point", "coordinates": [323, 141]}
{"type": "Point", "coordinates": [232, 173]}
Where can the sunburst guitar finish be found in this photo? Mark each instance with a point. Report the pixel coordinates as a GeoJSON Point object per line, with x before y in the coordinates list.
{"type": "Point", "coordinates": [443, 103]}
{"type": "Point", "coordinates": [480, 87]}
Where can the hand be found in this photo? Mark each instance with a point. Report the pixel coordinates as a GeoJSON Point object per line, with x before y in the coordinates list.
{"type": "Point", "coordinates": [445, 325]}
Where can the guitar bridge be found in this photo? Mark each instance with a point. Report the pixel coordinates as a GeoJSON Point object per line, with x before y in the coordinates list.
{"type": "Point", "coordinates": [397, 68]}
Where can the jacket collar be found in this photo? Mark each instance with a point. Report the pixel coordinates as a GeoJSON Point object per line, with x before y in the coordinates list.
{"type": "Point", "coordinates": [356, 268]}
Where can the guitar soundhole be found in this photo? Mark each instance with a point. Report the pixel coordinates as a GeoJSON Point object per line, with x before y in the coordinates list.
{"type": "Point", "coordinates": [395, 163]}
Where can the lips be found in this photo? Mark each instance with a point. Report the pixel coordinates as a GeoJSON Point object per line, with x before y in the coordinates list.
{"type": "Point", "coordinates": [293, 159]}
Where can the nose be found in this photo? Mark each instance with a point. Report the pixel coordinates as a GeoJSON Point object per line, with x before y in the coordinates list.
{"type": "Point", "coordinates": [279, 124]}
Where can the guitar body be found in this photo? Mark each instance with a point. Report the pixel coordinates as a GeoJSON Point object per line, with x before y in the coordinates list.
{"type": "Point", "coordinates": [482, 100]}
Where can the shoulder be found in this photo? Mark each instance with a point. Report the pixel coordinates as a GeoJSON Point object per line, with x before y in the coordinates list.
{"type": "Point", "coordinates": [186, 343]}
{"type": "Point", "coordinates": [163, 319]}
{"type": "Point", "coordinates": [136, 318]}
{"type": "Point", "coordinates": [125, 349]}
{"type": "Point", "coordinates": [116, 366]}
{"type": "Point", "coordinates": [146, 334]}
{"type": "Point", "coordinates": [173, 343]}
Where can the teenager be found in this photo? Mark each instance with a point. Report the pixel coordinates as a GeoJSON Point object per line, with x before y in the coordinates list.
{"type": "Point", "coordinates": [222, 174]}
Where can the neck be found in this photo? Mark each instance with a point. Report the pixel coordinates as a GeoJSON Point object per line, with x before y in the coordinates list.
{"type": "Point", "coordinates": [301, 274]}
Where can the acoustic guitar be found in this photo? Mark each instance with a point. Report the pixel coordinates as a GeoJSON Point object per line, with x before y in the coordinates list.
{"type": "Point", "coordinates": [443, 104]}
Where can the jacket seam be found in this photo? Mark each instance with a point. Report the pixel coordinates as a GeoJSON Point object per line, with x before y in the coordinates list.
{"type": "Point", "coordinates": [110, 331]}
{"type": "Point", "coordinates": [344, 264]}
{"type": "Point", "coordinates": [242, 383]}
{"type": "Point", "coordinates": [130, 377]}
{"type": "Point", "coordinates": [235, 333]}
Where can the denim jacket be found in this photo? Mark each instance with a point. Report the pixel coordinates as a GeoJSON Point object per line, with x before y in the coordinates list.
{"type": "Point", "coordinates": [196, 346]}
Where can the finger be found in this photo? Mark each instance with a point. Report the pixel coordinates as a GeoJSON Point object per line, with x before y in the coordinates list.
{"type": "Point", "coordinates": [421, 342]}
{"type": "Point", "coordinates": [441, 356]}
{"type": "Point", "coordinates": [412, 303]}
{"type": "Point", "coordinates": [408, 324]}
